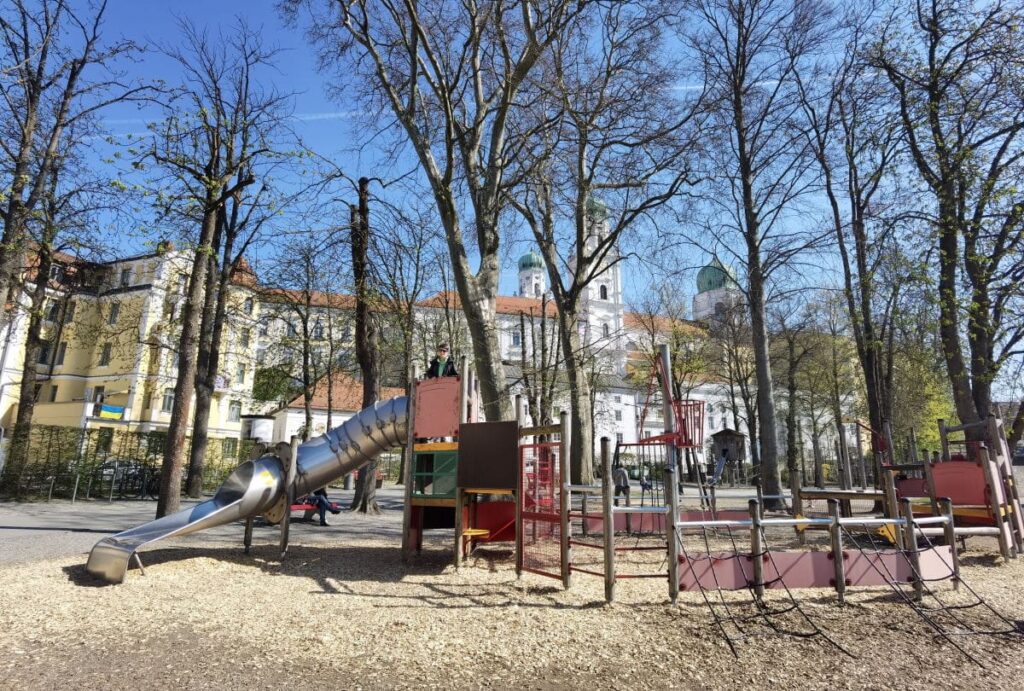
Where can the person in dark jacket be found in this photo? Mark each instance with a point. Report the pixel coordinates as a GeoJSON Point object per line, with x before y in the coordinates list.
{"type": "Point", "coordinates": [322, 503]}
{"type": "Point", "coordinates": [442, 365]}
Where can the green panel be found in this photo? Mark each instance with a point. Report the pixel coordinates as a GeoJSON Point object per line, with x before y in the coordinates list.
{"type": "Point", "coordinates": [434, 473]}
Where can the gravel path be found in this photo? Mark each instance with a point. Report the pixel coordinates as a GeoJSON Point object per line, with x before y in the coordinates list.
{"type": "Point", "coordinates": [343, 611]}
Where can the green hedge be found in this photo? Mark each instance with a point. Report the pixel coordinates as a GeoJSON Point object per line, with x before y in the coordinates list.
{"type": "Point", "coordinates": [106, 463]}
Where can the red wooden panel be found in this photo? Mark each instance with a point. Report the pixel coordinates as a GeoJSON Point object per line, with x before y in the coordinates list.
{"type": "Point", "coordinates": [961, 481]}
{"type": "Point", "coordinates": [437, 408]}
{"type": "Point", "coordinates": [911, 487]}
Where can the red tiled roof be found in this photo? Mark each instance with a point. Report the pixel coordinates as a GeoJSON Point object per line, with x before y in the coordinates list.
{"type": "Point", "coordinates": [661, 323]}
{"type": "Point", "coordinates": [316, 298]}
{"type": "Point", "coordinates": [504, 304]}
{"type": "Point", "coordinates": [346, 394]}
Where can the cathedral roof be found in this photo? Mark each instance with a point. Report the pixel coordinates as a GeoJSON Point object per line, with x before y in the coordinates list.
{"type": "Point", "coordinates": [530, 260]}
{"type": "Point", "coordinates": [714, 276]}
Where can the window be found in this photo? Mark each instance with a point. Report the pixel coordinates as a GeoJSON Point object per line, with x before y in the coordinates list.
{"type": "Point", "coordinates": [44, 353]}
{"type": "Point", "coordinates": [711, 409]}
{"type": "Point", "coordinates": [517, 339]}
{"type": "Point", "coordinates": [61, 349]}
{"type": "Point", "coordinates": [98, 393]}
{"type": "Point", "coordinates": [53, 394]}
{"type": "Point", "coordinates": [603, 291]}
{"type": "Point", "coordinates": [248, 306]}
{"type": "Point", "coordinates": [723, 422]}
{"type": "Point", "coordinates": [318, 331]}
{"type": "Point", "coordinates": [240, 375]}
{"type": "Point", "coordinates": [56, 272]}
{"type": "Point", "coordinates": [52, 310]}
{"type": "Point", "coordinates": [234, 411]}
{"type": "Point", "coordinates": [618, 416]}
{"type": "Point", "coordinates": [126, 277]}
{"type": "Point", "coordinates": [35, 391]}
{"type": "Point", "coordinates": [105, 355]}
{"type": "Point", "coordinates": [168, 401]}
{"type": "Point", "coordinates": [536, 290]}
{"type": "Point", "coordinates": [292, 331]}
{"type": "Point", "coordinates": [264, 326]}
{"type": "Point", "coordinates": [69, 313]}
{"type": "Point", "coordinates": [618, 437]}
{"type": "Point", "coordinates": [115, 311]}
{"type": "Point", "coordinates": [245, 338]}
{"type": "Point", "coordinates": [261, 356]}
{"type": "Point", "coordinates": [617, 398]}
{"type": "Point", "coordinates": [605, 330]}
{"type": "Point", "coordinates": [230, 447]}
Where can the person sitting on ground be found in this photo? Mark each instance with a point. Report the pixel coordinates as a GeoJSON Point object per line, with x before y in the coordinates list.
{"type": "Point", "coordinates": [621, 479]}
{"type": "Point", "coordinates": [323, 505]}
{"type": "Point", "coordinates": [442, 365]}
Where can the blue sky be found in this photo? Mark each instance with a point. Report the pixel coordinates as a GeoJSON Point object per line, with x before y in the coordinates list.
{"type": "Point", "coordinates": [324, 125]}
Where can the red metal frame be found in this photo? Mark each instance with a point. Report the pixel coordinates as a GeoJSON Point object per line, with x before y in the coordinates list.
{"type": "Point", "coordinates": [539, 488]}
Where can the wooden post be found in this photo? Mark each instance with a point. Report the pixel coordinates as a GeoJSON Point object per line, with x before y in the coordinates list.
{"type": "Point", "coordinates": [609, 521]}
{"type": "Point", "coordinates": [520, 489]}
{"type": "Point", "coordinates": [846, 472]}
{"type": "Point", "coordinates": [756, 547]}
{"type": "Point", "coordinates": [861, 465]}
{"type": "Point", "coordinates": [836, 533]}
{"type": "Point", "coordinates": [407, 476]}
{"type": "Point", "coordinates": [910, 547]}
{"type": "Point", "coordinates": [289, 494]}
{"type": "Point", "coordinates": [672, 477]}
{"type": "Point", "coordinates": [671, 529]}
{"type": "Point", "coordinates": [564, 504]}
{"type": "Point", "coordinates": [950, 534]}
{"type": "Point", "coordinates": [459, 498]}
{"type": "Point", "coordinates": [944, 439]}
{"type": "Point", "coordinates": [998, 514]}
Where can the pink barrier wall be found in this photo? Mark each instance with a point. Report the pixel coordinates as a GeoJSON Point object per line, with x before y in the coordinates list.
{"type": "Point", "coordinates": [809, 569]}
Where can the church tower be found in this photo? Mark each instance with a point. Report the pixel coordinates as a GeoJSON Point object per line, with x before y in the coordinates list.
{"type": "Point", "coordinates": [602, 303]}
{"type": "Point", "coordinates": [532, 279]}
{"type": "Point", "coordinates": [717, 291]}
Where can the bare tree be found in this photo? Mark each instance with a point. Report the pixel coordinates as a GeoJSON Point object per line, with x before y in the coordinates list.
{"type": "Point", "coordinates": [62, 223]}
{"type": "Point", "coordinates": [366, 338]}
{"type": "Point", "coordinates": [58, 73]}
{"type": "Point", "coordinates": [855, 137]}
{"type": "Point", "coordinates": [953, 68]}
{"type": "Point", "coordinates": [205, 148]}
{"type": "Point", "coordinates": [453, 106]}
{"type": "Point", "coordinates": [749, 53]}
{"type": "Point", "coordinates": [606, 148]}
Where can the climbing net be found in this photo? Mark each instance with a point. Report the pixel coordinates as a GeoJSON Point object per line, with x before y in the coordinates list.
{"type": "Point", "coordinates": [949, 619]}
{"type": "Point", "coordinates": [734, 619]}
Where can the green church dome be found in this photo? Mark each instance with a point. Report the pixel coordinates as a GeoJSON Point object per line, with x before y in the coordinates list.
{"type": "Point", "coordinates": [714, 276]}
{"type": "Point", "coordinates": [531, 260]}
{"type": "Point", "coordinates": [596, 208]}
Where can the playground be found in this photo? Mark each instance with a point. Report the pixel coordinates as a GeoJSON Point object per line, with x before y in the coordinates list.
{"type": "Point", "coordinates": [343, 610]}
{"type": "Point", "coordinates": [488, 567]}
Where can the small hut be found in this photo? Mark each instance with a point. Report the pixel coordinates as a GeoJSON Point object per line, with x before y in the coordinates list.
{"type": "Point", "coordinates": [734, 445]}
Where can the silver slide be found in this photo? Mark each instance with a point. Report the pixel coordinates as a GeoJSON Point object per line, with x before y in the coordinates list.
{"type": "Point", "coordinates": [255, 486]}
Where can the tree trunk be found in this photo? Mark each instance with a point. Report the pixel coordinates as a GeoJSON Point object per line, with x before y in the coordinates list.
{"type": "Point", "coordinates": [819, 470]}
{"type": "Point", "coordinates": [365, 500]}
{"type": "Point", "coordinates": [17, 456]}
{"type": "Point", "coordinates": [184, 388]}
{"type": "Point", "coordinates": [771, 478]}
{"type": "Point", "coordinates": [792, 458]}
{"type": "Point", "coordinates": [581, 456]}
{"type": "Point", "coordinates": [206, 373]}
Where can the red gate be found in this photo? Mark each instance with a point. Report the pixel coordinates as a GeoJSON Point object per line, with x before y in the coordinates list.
{"type": "Point", "coordinates": [539, 496]}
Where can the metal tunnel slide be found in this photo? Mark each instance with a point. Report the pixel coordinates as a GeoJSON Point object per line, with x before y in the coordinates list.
{"type": "Point", "coordinates": [255, 486]}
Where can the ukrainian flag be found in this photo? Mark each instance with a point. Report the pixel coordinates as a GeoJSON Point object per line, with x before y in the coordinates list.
{"type": "Point", "coordinates": [112, 412]}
